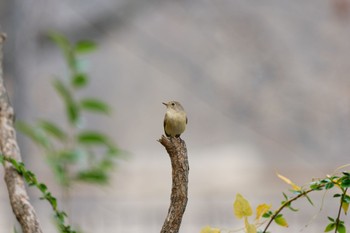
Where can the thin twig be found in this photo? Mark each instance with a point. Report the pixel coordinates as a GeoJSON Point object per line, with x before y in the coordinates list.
{"type": "Point", "coordinates": [284, 205]}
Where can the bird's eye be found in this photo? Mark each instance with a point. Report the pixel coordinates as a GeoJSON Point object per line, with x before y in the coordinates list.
{"type": "Point", "coordinates": [173, 104]}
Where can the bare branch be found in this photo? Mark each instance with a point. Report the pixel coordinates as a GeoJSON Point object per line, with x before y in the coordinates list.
{"type": "Point", "coordinates": [177, 151]}
{"type": "Point", "coordinates": [19, 199]}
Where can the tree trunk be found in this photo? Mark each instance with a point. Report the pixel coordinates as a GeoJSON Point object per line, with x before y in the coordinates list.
{"type": "Point", "coordinates": [19, 199]}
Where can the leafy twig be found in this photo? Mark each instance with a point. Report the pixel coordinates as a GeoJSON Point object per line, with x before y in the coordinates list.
{"type": "Point", "coordinates": [31, 180]}
{"type": "Point", "coordinates": [286, 204]}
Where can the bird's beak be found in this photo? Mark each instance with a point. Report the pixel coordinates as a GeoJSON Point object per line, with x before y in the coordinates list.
{"type": "Point", "coordinates": [165, 104]}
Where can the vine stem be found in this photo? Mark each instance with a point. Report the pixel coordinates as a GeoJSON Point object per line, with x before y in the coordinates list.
{"type": "Point", "coordinates": [284, 205]}
{"type": "Point", "coordinates": [339, 211]}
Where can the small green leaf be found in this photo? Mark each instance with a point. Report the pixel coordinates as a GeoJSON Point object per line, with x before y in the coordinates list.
{"type": "Point", "coordinates": [72, 109]}
{"type": "Point", "coordinates": [79, 80]}
{"type": "Point", "coordinates": [345, 183]}
{"type": "Point", "coordinates": [52, 129]}
{"type": "Point", "coordinates": [85, 46]}
{"type": "Point", "coordinates": [71, 155]}
{"type": "Point", "coordinates": [92, 137]}
{"type": "Point", "coordinates": [29, 177]}
{"type": "Point", "coordinates": [341, 228]}
{"type": "Point", "coordinates": [330, 219]}
{"type": "Point", "coordinates": [51, 199]}
{"type": "Point", "coordinates": [63, 43]}
{"type": "Point", "coordinates": [42, 187]}
{"type": "Point", "coordinates": [280, 220]}
{"type": "Point", "coordinates": [60, 215]}
{"type": "Point", "coordinates": [309, 199]}
{"type": "Point", "coordinates": [346, 199]}
{"type": "Point", "coordinates": [113, 150]}
{"type": "Point", "coordinates": [93, 176]}
{"type": "Point", "coordinates": [316, 185]}
{"type": "Point", "coordinates": [329, 185]}
{"type": "Point", "coordinates": [285, 196]}
{"type": "Point", "coordinates": [329, 227]}
{"type": "Point", "coordinates": [34, 133]}
{"type": "Point", "coordinates": [94, 105]}
{"type": "Point", "coordinates": [73, 113]}
{"type": "Point", "coordinates": [60, 40]}
{"type": "Point", "coordinates": [62, 90]}
{"type": "Point", "coordinates": [267, 214]}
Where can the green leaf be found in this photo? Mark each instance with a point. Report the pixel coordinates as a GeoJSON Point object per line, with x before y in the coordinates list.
{"type": "Point", "coordinates": [63, 43]}
{"type": "Point", "coordinates": [29, 177]}
{"type": "Point", "coordinates": [280, 220]}
{"type": "Point", "coordinates": [95, 105]}
{"type": "Point", "coordinates": [79, 80]}
{"type": "Point", "coordinates": [92, 137]}
{"type": "Point", "coordinates": [52, 129]}
{"type": "Point", "coordinates": [42, 187]}
{"type": "Point", "coordinates": [71, 155]}
{"type": "Point", "coordinates": [35, 134]}
{"type": "Point", "coordinates": [346, 199]}
{"type": "Point", "coordinates": [106, 164]}
{"type": "Point", "coordinates": [329, 227]}
{"type": "Point", "coordinates": [113, 151]}
{"type": "Point", "coordinates": [285, 196]}
{"type": "Point", "coordinates": [345, 183]}
{"type": "Point", "coordinates": [329, 185]}
{"type": "Point", "coordinates": [60, 215]}
{"type": "Point", "coordinates": [268, 214]}
{"type": "Point", "coordinates": [62, 90]}
{"type": "Point", "coordinates": [316, 185]}
{"type": "Point", "coordinates": [93, 176]}
{"type": "Point", "coordinates": [341, 228]}
{"type": "Point", "coordinates": [51, 199]}
{"type": "Point", "coordinates": [309, 199]}
{"type": "Point", "coordinates": [72, 109]}
{"type": "Point", "coordinates": [346, 174]}
{"type": "Point", "coordinates": [73, 113]}
{"type": "Point", "coordinates": [85, 46]}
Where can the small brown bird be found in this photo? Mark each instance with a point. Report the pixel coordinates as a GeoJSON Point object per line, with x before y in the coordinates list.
{"type": "Point", "coordinates": [175, 119]}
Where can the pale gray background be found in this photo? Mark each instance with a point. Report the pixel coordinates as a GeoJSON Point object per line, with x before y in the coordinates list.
{"type": "Point", "coordinates": [265, 84]}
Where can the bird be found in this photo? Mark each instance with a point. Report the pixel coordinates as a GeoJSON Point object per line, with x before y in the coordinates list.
{"type": "Point", "coordinates": [175, 119]}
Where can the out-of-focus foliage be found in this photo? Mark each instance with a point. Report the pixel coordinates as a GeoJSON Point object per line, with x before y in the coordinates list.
{"type": "Point", "coordinates": [31, 179]}
{"type": "Point", "coordinates": [74, 152]}
{"type": "Point", "coordinates": [242, 207]}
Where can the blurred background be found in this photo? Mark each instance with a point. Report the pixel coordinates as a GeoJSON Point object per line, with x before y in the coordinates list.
{"type": "Point", "coordinates": [265, 85]}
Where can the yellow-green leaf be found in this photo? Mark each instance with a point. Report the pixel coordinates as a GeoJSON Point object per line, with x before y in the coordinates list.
{"type": "Point", "coordinates": [241, 207]}
{"type": "Point", "coordinates": [249, 228]}
{"type": "Point", "coordinates": [288, 181]}
{"type": "Point", "coordinates": [281, 221]}
{"type": "Point", "coordinates": [261, 210]}
{"type": "Point", "coordinates": [208, 229]}
{"type": "Point", "coordinates": [345, 207]}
